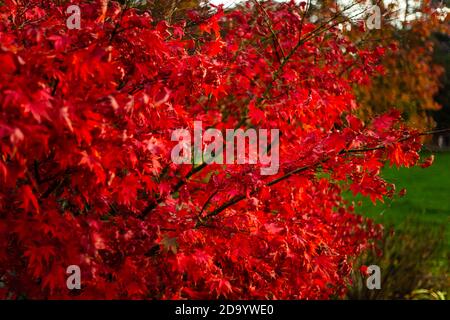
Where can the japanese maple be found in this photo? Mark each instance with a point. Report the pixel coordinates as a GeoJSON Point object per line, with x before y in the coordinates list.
{"type": "Point", "coordinates": [86, 118]}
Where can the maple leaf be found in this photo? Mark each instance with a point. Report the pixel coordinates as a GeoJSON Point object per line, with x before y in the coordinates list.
{"type": "Point", "coordinates": [364, 270]}
{"type": "Point", "coordinates": [212, 25]}
{"type": "Point", "coordinates": [7, 62]}
{"type": "Point", "coordinates": [86, 125]}
{"type": "Point", "coordinates": [28, 198]}
{"type": "Point", "coordinates": [397, 155]}
{"type": "Point", "coordinates": [128, 189]}
{"type": "Point", "coordinates": [3, 170]}
{"type": "Point", "coordinates": [214, 48]}
{"type": "Point", "coordinates": [272, 228]}
{"type": "Point", "coordinates": [55, 278]}
{"type": "Point", "coordinates": [40, 255]}
{"type": "Point", "coordinates": [428, 162]}
{"type": "Point", "coordinates": [256, 114]}
{"type": "Point", "coordinates": [60, 42]}
{"type": "Point", "coordinates": [169, 244]}
{"type": "Point", "coordinates": [91, 161]}
{"type": "Point", "coordinates": [386, 121]}
{"type": "Point", "coordinates": [39, 104]}
{"type": "Point", "coordinates": [222, 287]}
{"type": "Point", "coordinates": [64, 112]}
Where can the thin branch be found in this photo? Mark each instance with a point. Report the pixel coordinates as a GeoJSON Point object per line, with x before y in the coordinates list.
{"type": "Point", "coordinates": [239, 198]}
{"type": "Point", "coordinates": [177, 188]}
{"type": "Point", "coordinates": [269, 24]}
{"type": "Point", "coordinates": [205, 205]}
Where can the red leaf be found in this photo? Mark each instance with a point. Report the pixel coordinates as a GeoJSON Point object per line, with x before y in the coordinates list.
{"type": "Point", "coordinates": [255, 113]}
{"type": "Point", "coordinates": [29, 198]}
{"type": "Point", "coordinates": [428, 162]}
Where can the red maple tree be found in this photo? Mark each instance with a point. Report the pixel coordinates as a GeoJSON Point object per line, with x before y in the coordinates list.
{"type": "Point", "coordinates": [86, 118]}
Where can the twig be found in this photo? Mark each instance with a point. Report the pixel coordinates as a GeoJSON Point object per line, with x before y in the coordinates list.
{"type": "Point", "coordinates": [239, 198]}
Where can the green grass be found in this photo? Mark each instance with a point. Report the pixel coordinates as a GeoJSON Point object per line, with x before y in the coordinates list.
{"type": "Point", "coordinates": [416, 256]}
{"type": "Point", "coordinates": [427, 200]}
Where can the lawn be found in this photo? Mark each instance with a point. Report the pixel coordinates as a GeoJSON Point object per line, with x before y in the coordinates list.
{"type": "Point", "coordinates": [415, 257]}
{"type": "Point", "coordinates": [427, 200]}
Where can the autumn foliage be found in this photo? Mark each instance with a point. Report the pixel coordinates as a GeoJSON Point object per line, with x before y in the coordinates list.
{"type": "Point", "coordinates": [86, 118]}
{"type": "Point", "coordinates": [411, 77]}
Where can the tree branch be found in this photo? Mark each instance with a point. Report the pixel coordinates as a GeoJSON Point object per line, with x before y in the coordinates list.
{"type": "Point", "coordinates": [239, 198]}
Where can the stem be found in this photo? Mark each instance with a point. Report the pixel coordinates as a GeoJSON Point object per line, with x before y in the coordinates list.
{"type": "Point", "coordinates": [239, 198]}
